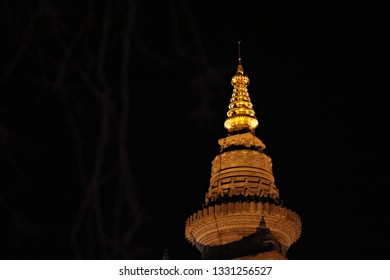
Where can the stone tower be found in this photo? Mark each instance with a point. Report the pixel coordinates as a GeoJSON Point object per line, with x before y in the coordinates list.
{"type": "Point", "coordinates": [243, 217]}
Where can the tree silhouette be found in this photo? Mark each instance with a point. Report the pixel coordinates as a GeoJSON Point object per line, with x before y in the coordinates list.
{"type": "Point", "coordinates": [71, 79]}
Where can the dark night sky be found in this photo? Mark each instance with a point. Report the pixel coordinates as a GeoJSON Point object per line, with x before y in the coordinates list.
{"type": "Point", "coordinates": [319, 85]}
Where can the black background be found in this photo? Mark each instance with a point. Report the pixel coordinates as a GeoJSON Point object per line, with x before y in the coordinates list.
{"type": "Point", "coordinates": [318, 81]}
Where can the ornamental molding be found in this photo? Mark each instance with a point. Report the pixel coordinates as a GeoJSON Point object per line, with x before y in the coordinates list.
{"type": "Point", "coordinates": [229, 222]}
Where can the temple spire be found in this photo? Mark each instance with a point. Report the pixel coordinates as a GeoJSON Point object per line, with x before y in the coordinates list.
{"type": "Point", "coordinates": [241, 116]}
{"type": "Point", "coordinates": [242, 217]}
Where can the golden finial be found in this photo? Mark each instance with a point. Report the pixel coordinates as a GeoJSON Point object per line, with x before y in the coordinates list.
{"type": "Point", "coordinates": [239, 51]}
{"type": "Point", "coordinates": [241, 116]}
{"type": "Point", "coordinates": [240, 69]}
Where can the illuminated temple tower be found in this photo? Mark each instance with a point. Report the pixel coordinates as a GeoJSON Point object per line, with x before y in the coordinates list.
{"type": "Point", "coordinates": [243, 217]}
